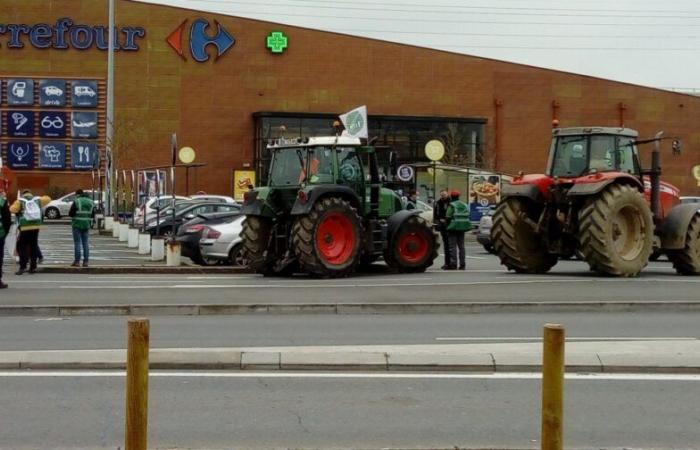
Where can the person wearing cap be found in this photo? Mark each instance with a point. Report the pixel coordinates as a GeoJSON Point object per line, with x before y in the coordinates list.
{"type": "Point", "coordinates": [81, 212]}
{"type": "Point", "coordinates": [28, 209]}
{"type": "Point", "coordinates": [457, 224]}
{"type": "Point", "coordinates": [412, 201]}
{"type": "Point", "coordinates": [440, 223]}
{"type": "Point", "coordinates": [5, 224]}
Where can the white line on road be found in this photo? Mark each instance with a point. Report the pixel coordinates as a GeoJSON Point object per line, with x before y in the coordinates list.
{"type": "Point", "coordinates": [569, 339]}
{"type": "Point", "coordinates": [345, 375]}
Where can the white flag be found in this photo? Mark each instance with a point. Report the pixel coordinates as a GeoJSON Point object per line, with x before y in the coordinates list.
{"type": "Point", "coordinates": [355, 122]}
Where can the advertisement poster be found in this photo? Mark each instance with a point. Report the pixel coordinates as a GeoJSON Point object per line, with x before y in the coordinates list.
{"type": "Point", "coordinates": [484, 194]}
{"type": "Point", "coordinates": [84, 156]}
{"type": "Point", "coordinates": [150, 185]}
{"type": "Point", "coordinates": [84, 125]}
{"type": "Point", "coordinates": [20, 92]}
{"type": "Point", "coordinates": [52, 155]}
{"type": "Point", "coordinates": [20, 123]}
{"type": "Point", "coordinates": [52, 124]}
{"type": "Point", "coordinates": [52, 92]}
{"type": "Point", "coordinates": [241, 180]}
{"type": "Point", "coordinates": [20, 155]}
{"type": "Point", "coordinates": [84, 94]}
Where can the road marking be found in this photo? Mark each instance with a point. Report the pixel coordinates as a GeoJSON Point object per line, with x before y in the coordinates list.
{"type": "Point", "coordinates": [569, 339]}
{"type": "Point", "coordinates": [346, 375]}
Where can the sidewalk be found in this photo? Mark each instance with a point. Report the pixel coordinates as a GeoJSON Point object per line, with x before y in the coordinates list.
{"type": "Point", "coordinates": [654, 356]}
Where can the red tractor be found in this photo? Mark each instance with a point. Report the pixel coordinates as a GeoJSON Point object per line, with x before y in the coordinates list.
{"type": "Point", "coordinates": [595, 201]}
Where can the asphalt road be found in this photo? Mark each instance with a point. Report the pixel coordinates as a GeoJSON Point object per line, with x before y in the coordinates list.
{"type": "Point", "coordinates": [219, 410]}
{"type": "Point", "coordinates": [88, 333]}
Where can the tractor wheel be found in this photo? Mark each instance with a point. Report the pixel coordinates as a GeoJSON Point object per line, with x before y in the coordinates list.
{"type": "Point", "coordinates": [256, 236]}
{"type": "Point", "coordinates": [515, 242]}
{"type": "Point", "coordinates": [327, 241]}
{"type": "Point", "coordinates": [616, 232]}
{"type": "Point", "coordinates": [687, 260]}
{"type": "Point", "coordinates": [413, 248]}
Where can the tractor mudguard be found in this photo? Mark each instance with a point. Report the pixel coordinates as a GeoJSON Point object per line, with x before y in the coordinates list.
{"type": "Point", "coordinates": [395, 222]}
{"type": "Point", "coordinates": [252, 206]}
{"type": "Point", "coordinates": [301, 208]}
{"type": "Point", "coordinates": [675, 226]}
{"type": "Point", "coordinates": [585, 189]}
{"type": "Point", "coordinates": [529, 191]}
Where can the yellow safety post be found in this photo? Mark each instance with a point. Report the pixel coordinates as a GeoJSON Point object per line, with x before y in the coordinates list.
{"type": "Point", "coordinates": [137, 385]}
{"type": "Point", "coordinates": [553, 387]}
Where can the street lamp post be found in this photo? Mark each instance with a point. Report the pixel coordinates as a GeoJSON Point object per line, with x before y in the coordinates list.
{"type": "Point", "coordinates": [110, 106]}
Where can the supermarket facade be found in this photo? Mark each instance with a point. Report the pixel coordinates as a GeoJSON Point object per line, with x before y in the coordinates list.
{"type": "Point", "coordinates": [226, 85]}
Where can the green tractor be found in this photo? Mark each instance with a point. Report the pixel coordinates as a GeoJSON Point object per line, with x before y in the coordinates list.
{"type": "Point", "coordinates": [325, 212]}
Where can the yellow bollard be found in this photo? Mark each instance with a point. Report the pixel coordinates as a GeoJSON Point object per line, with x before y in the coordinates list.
{"type": "Point", "coordinates": [136, 435]}
{"type": "Point", "coordinates": [553, 387]}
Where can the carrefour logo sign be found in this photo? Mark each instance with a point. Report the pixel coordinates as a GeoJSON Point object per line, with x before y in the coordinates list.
{"type": "Point", "coordinates": [65, 34]}
{"type": "Point", "coordinates": [200, 37]}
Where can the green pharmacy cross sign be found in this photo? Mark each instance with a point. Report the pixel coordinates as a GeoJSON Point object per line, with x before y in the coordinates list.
{"type": "Point", "coordinates": [277, 42]}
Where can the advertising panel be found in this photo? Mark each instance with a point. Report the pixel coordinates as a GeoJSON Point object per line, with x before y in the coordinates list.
{"type": "Point", "coordinates": [52, 124]}
{"type": "Point", "coordinates": [84, 94]}
{"type": "Point", "coordinates": [20, 123]}
{"type": "Point", "coordinates": [84, 125]}
{"type": "Point", "coordinates": [52, 92]}
{"type": "Point", "coordinates": [84, 156]}
{"type": "Point", "coordinates": [241, 180]}
{"type": "Point", "coordinates": [20, 91]}
{"type": "Point", "coordinates": [149, 185]}
{"type": "Point", "coordinates": [20, 155]}
{"type": "Point", "coordinates": [52, 155]}
{"type": "Point", "coordinates": [484, 194]}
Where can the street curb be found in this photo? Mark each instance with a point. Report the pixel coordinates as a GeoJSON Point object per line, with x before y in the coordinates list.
{"type": "Point", "coordinates": [341, 308]}
{"type": "Point", "coordinates": [144, 269]}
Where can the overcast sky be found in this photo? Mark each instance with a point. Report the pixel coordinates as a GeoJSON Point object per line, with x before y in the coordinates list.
{"type": "Point", "coordinates": [647, 42]}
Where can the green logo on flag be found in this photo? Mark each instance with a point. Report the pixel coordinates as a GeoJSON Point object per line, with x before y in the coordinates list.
{"type": "Point", "coordinates": [355, 123]}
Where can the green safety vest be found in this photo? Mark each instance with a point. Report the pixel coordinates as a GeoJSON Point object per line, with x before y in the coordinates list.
{"type": "Point", "coordinates": [83, 213]}
{"type": "Point", "coordinates": [458, 216]}
{"type": "Point", "coordinates": [23, 222]}
{"type": "Point", "coordinates": [2, 229]}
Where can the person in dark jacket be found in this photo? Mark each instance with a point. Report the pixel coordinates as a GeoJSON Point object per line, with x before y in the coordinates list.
{"type": "Point", "coordinates": [412, 200]}
{"type": "Point", "coordinates": [5, 223]}
{"type": "Point", "coordinates": [81, 212]}
{"type": "Point", "coordinates": [440, 223]}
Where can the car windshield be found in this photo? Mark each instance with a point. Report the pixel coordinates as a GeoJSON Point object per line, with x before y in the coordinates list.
{"type": "Point", "coordinates": [288, 167]}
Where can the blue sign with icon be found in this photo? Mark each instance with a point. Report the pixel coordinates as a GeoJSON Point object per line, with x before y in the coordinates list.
{"type": "Point", "coordinates": [52, 92]}
{"type": "Point", "coordinates": [84, 94]}
{"type": "Point", "coordinates": [52, 124]}
{"type": "Point", "coordinates": [84, 156]}
{"type": "Point", "coordinates": [52, 155]}
{"type": "Point", "coordinates": [20, 155]}
{"type": "Point", "coordinates": [84, 125]}
{"type": "Point", "coordinates": [20, 123]}
{"type": "Point", "coordinates": [20, 91]}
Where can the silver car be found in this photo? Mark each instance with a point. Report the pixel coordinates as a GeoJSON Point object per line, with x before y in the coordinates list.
{"type": "Point", "coordinates": [60, 207]}
{"type": "Point", "coordinates": [483, 234]}
{"type": "Point", "coordinates": [222, 243]}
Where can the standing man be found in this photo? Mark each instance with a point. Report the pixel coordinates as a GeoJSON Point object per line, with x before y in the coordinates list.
{"type": "Point", "coordinates": [457, 224]}
{"type": "Point", "coordinates": [5, 223]}
{"type": "Point", "coordinates": [412, 201]}
{"type": "Point", "coordinates": [28, 211]}
{"type": "Point", "coordinates": [440, 222]}
{"type": "Point", "coordinates": [81, 212]}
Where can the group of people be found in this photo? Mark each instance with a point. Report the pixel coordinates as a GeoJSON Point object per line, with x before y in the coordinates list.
{"type": "Point", "coordinates": [451, 219]}
{"type": "Point", "coordinates": [28, 210]}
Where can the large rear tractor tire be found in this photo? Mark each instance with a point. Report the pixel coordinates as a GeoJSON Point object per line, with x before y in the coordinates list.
{"type": "Point", "coordinates": [413, 248]}
{"type": "Point", "coordinates": [515, 242]}
{"type": "Point", "coordinates": [687, 260]}
{"type": "Point", "coordinates": [327, 241]}
{"type": "Point", "coordinates": [616, 232]}
{"type": "Point", "coordinates": [256, 237]}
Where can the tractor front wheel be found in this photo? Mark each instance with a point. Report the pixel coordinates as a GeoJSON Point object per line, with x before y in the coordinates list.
{"type": "Point", "coordinates": [413, 247]}
{"type": "Point", "coordinates": [327, 241]}
{"type": "Point", "coordinates": [256, 237]}
{"type": "Point", "coordinates": [515, 241]}
{"type": "Point", "coordinates": [687, 260]}
{"type": "Point", "coordinates": [616, 232]}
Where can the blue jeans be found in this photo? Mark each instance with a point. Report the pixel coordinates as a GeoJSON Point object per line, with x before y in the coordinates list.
{"type": "Point", "coordinates": [80, 238]}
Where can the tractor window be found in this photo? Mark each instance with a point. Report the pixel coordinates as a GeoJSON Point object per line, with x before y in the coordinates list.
{"type": "Point", "coordinates": [287, 167]}
{"type": "Point", "coordinates": [570, 156]}
{"type": "Point", "coordinates": [626, 156]}
{"type": "Point", "coordinates": [602, 153]}
{"type": "Point", "coordinates": [321, 168]}
{"type": "Point", "coordinates": [349, 168]}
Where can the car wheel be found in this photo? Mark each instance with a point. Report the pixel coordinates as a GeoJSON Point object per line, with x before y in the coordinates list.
{"type": "Point", "coordinates": [52, 213]}
{"type": "Point", "coordinates": [236, 257]}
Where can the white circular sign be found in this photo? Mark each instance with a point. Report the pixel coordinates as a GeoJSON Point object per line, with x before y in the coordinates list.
{"type": "Point", "coordinates": [434, 150]}
{"type": "Point", "coordinates": [186, 155]}
{"type": "Point", "coordinates": [405, 172]}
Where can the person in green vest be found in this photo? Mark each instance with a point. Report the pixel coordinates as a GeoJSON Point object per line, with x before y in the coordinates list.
{"type": "Point", "coordinates": [5, 224]}
{"type": "Point", "coordinates": [81, 211]}
{"type": "Point", "coordinates": [457, 224]}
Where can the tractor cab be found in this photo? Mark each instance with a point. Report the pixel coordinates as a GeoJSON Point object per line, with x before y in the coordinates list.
{"type": "Point", "coordinates": [576, 152]}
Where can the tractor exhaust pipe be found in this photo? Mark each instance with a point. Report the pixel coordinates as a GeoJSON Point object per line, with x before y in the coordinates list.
{"type": "Point", "coordinates": [655, 176]}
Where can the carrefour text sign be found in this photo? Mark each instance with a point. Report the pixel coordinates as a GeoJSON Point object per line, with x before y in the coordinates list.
{"type": "Point", "coordinates": [66, 34]}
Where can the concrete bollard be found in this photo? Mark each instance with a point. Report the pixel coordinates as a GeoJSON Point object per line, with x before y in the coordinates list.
{"type": "Point", "coordinates": [133, 240]}
{"type": "Point", "coordinates": [553, 387]}
{"type": "Point", "coordinates": [124, 232]}
{"type": "Point", "coordinates": [144, 243]}
{"type": "Point", "coordinates": [157, 249]}
{"type": "Point", "coordinates": [136, 429]}
{"type": "Point", "coordinates": [115, 228]}
{"type": "Point", "coordinates": [109, 223]}
{"type": "Point", "coordinates": [173, 258]}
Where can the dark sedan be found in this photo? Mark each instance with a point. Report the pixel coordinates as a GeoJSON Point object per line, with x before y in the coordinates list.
{"type": "Point", "coordinates": [190, 233]}
{"type": "Point", "coordinates": [167, 224]}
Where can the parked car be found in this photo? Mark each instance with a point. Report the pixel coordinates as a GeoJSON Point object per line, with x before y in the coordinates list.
{"type": "Point", "coordinates": [213, 198]}
{"type": "Point", "coordinates": [690, 199]}
{"type": "Point", "coordinates": [483, 233]}
{"type": "Point", "coordinates": [168, 222]}
{"type": "Point", "coordinates": [60, 207]}
{"type": "Point", "coordinates": [151, 207]}
{"type": "Point", "coordinates": [223, 242]}
{"type": "Point", "coordinates": [190, 233]}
